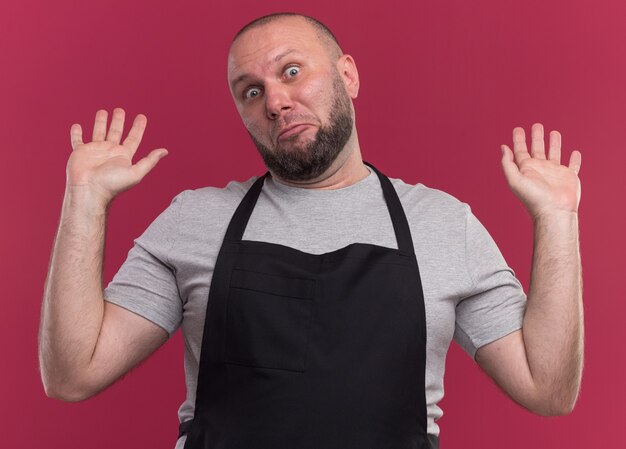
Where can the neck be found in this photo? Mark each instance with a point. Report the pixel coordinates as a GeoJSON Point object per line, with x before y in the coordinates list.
{"type": "Point", "coordinates": [347, 169]}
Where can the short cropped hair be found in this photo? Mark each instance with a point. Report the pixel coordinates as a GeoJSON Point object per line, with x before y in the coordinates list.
{"type": "Point", "coordinates": [322, 30]}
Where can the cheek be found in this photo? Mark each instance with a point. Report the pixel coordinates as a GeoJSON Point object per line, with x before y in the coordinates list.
{"type": "Point", "coordinates": [318, 93]}
{"type": "Point", "coordinates": [251, 122]}
{"type": "Point", "coordinates": [313, 87]}
{"type": "Point", "coordinates": [248, 122]}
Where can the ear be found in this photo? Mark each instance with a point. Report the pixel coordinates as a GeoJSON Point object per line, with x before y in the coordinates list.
{"type": "Point", "coordinates": [347, 69]}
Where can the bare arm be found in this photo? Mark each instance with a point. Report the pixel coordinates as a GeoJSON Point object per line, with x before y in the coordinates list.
{"type": "Point", "coordinates": [540, 366]}
{"type": "Point", "coordinates": [85, 343]}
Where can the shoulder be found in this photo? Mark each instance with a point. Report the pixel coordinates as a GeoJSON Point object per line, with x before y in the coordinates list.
{"type": "Point", "coordinates": [192, 208]}
{"type": "Point", "coordinates": [429, 204]}
{"type": "Point", "coordinates": [200, 216]}
{"type": "Point", "coordinates": [215, 197]}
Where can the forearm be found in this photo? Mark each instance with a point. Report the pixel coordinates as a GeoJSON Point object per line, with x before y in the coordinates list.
{"type": "Point", "coordinates": [73, 305]}
{"type": "Point", "coordinates": [553, 323]}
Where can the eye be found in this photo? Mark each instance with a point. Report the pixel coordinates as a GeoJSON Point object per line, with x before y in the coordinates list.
{"type": "Point", "coordinates": [252, 92]}
{"type": "Point", "coordinates": [292, 71]}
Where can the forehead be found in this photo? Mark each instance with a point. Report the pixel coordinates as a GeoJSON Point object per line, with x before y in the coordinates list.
{"type": "Point", "coordinates": [262, 46]}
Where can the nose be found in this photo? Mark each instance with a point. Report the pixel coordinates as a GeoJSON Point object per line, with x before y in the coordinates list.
{"type": "Point", "coordinates": [277, 101]}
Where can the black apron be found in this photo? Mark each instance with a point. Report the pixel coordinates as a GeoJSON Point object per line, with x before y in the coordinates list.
{"type": "Point", "coordinates": [312, 351]}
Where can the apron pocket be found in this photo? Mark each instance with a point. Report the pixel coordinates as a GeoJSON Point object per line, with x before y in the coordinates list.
{"type": "Point", "coordinates": [267, 320]}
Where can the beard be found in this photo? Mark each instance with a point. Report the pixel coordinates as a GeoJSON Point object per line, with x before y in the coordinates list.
{"type": "Point", "coordinates": [308, 161]}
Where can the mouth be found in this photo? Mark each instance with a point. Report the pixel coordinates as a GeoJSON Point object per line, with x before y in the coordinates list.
{"type": "Point", "coordinates": [292, 130]}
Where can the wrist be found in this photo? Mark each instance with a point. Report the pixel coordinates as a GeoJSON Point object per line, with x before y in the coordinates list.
{"type": "Point", "coordinates": [561, 225]}
{"type": "Point", "coordinates": [550, 214]}
{"type": "Point", "coordinates": [85, 199]}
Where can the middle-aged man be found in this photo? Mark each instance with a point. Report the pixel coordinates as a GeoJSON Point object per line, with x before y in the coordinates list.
{"type": "Point", "coordinates": [307, 322]}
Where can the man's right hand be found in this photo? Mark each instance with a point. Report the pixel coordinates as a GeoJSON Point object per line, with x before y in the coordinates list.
{"type": "Point", "coordinates": [104, 166]}
{"type": "Point", "coordinates": [85, 342]}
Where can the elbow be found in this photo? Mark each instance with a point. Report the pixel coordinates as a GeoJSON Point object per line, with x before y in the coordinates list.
{"type": "Point", "coordinates": [554, 410]}
{"type": "Point", "coordinates": [65, 390]}
{"type": "Point", "coordinates": [65, 394]}
{"type": "Point", "coordinates": [66, 382]}
{"type": "Point", "coordinates": [557, 406]}
{"type": "Point", "coordinates": [564, 407]}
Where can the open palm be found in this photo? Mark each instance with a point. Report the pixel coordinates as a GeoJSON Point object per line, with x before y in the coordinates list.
{"type": "Point", "coordinates": [542, 184]}
{"type": "Point", "coordinates": [105, 165]}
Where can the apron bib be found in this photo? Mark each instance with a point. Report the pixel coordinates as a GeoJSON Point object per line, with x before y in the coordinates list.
{"type": "Point", "coordinates": [312, 351]}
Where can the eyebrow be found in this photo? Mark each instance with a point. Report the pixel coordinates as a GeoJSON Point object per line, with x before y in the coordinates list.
{"type": "Point", "coordinates": [245, 76]}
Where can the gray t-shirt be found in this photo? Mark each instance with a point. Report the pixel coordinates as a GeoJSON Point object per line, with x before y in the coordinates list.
{"type": "Point", "coordinates": [470, 293]}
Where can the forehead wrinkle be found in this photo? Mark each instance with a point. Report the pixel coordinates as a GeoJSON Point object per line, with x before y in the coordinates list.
{"type": "Point", "coordinates": [277, 58]}
{"type": "Point", "coordinates": [285, 53]}
{"type": "Point", "coordinates": [239, 79]}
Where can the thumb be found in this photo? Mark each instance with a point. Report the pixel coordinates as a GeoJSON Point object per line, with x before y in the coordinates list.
{"type": "Point", "coordinates": [144, 165]}
{"type": "Point", "coordinates": [511, 172]}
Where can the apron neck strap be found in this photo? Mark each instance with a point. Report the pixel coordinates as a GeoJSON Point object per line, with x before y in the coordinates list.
{"type": "Point", "coordinates": [396, 213]}
{"type": "Point", "coordinates": [240, 218]}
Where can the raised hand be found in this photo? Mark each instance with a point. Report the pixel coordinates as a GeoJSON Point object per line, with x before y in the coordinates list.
{"type": "Point", "coordinates": [104, 166]}
{"type": "Point", "coordinates": [542, 184]}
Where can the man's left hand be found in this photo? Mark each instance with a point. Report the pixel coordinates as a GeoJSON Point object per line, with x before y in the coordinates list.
{"type": "Point", "coordinates": [540, 365]}
{"type": "Point", "coordinates": [542, 184]}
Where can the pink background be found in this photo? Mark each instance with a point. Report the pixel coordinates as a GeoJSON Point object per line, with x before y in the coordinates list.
{"type": "Point", "coordinates": [443, 85]}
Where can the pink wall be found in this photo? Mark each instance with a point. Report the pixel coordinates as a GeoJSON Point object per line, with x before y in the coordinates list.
{"type": "Point", "coordinates": [443, 85]}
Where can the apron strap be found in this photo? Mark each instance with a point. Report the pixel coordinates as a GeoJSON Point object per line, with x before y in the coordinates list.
{"type": "Point", "coordinates": [396, 212]}
{"type": "Point", "coordinates": [184, 427]}
{"type": "Point", "coordinates": [240, 218]}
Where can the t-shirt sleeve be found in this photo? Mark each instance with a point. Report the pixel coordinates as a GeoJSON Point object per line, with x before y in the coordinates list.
{"type": "Point", "coordinates": [495, 304]}
{"type": "Point", "coordinates": [146, 284]}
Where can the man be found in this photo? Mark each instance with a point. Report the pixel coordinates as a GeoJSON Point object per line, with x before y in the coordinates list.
{"type": "Point", "coordinates": [317, 302]}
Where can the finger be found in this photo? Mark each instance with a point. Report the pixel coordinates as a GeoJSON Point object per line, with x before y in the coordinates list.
{"type": "Point", "coordinates": [144, 165]}
{"type": "Point", "coordinates": [519, 145]}
{"type": "Point", "coordinates": [537, 146]}
{"type": "Point", "coordinates": [575, 160]}
{"type": "Point", "coordinates": [511, 171]}
{"type": "Point", "coordinates": [554, 152]}
{"type": "Point", "coordinates": [76, 135]}
{"type": "Point", "coordinates": [136, 133]}
{"type": "Point", "coordinates": [100, 126]}
{"type": "Point", "coordinates": [117, 126]}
